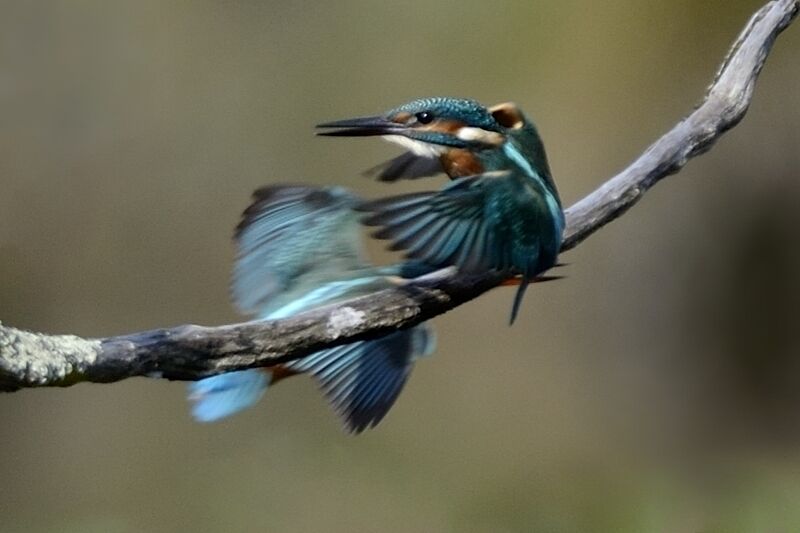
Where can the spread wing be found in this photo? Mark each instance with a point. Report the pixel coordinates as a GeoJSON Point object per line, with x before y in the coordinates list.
{"type": "Point", "coordinates": [453, 226]}
{"type": "Point", "coordinates": [292, 238]}
{"type": "Point", "coordinates": [465, 225]}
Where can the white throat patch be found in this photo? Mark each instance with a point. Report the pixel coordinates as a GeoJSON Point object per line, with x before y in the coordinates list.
{"type": "Point", "coordinates": [419, 148]}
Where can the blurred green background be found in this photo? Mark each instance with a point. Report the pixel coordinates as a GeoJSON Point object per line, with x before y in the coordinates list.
{"type": "Point", "coordinates": [657, 388]}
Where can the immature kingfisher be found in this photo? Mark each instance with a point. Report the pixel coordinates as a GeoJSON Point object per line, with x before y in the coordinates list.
{"type": "Point", "coordinates": [501, 211]}
{"type": "Point", "coordinates": [299, 248]}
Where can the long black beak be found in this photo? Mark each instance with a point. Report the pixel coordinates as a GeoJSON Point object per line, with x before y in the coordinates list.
{"type": "Point", "coordinates": [362, 127]}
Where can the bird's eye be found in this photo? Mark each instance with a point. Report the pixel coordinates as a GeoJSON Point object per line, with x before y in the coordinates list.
{"type": "Point", "coordinates": [424, 117]}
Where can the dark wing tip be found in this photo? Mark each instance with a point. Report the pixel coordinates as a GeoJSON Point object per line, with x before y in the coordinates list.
{"type": "Point", "coordinates": [270, 196]}
{"type": "Point", "coordinates": [262, 197]}
{"type": "Point", "coordinates": [406, 166]}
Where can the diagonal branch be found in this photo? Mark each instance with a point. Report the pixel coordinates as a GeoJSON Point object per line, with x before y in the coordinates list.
{"type": "Point", "coordinates": [191, 352]}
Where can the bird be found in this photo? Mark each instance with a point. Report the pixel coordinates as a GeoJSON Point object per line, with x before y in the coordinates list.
{"type": "Point", "coordinates": [298, 248]}
{"type": "Point", "coordinates": [500, 211]}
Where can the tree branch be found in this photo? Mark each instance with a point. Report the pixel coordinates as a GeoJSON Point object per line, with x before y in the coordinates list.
{"type": "Point", "coordinates": [191, 352]}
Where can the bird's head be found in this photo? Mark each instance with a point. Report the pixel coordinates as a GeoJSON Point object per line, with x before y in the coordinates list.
{"type": "Point", "coordinates": [432, 126]}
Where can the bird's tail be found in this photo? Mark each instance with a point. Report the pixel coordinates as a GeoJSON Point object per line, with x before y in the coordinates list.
{"type": "Point", "coordinates": [523, 286]}
{"type": "Point", "coordinates": [223, 395]}
{"type": "Point", "coordinates": [521, 282]}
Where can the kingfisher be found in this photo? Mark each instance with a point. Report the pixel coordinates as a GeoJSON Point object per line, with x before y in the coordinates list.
{"type": "Point", "coordinates": [500, 211]}
{"type": "Point", "coordinates": [299, 248]}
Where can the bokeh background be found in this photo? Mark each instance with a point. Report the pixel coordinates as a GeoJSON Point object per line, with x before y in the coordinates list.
{"type": "Point", "coordinates": [657, 388]}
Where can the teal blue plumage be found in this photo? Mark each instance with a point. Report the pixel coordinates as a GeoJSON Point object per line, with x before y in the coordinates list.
{"type": "Point", "coordinates": [299, 248]}
{"type": "Point", "coordinates": [501, 211]}
{"type": "Point", "coordinates": [362, 380]}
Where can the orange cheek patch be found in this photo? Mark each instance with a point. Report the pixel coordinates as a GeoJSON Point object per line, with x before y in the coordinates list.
{"type": "Point", "coordinates": [443, 126]}
{"type": "Point", "coordinates": [401, 118]}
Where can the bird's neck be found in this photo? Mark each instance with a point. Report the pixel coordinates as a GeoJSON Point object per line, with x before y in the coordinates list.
{"type": "Point", "coordinates": [460, 162]}
{"type": "Point", "coordinates": [522, 153]}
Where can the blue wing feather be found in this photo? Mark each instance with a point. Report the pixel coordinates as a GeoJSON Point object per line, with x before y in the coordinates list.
{"type": "Point", "coordinates": [362, 380]}
{"type": "Point", "coordinates": [440, 228]}
{"type": "Point", "coordinates": [493, 221]}
{"type": "Point", "coordinates": [299, 248]}
{"type": "Point", "coordinates": [290, 238]}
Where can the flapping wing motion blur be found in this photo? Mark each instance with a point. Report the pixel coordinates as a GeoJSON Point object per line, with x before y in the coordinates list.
{"type": "Point", "coordinates": [290, 236]}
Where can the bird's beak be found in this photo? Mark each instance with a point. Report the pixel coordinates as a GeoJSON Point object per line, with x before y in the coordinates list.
{"type": "Point", "coordinates": [362, 127]}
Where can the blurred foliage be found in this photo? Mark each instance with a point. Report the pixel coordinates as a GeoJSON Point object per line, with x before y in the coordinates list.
{"type": "Point", "coordinates": [655, 389]}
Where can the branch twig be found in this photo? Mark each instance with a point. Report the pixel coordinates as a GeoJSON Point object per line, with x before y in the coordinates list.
{"type": "Point", "coordinates": [191, 352]}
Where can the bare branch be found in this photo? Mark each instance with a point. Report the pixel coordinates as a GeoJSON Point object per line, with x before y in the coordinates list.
{"type": "Point", "coordinates": [191, 352]}
{"type": "Point", "coordinates": [725, 104]}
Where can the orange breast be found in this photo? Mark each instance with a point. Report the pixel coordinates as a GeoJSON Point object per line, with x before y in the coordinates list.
{"type": "Point", "coordinates": [458, 162]}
